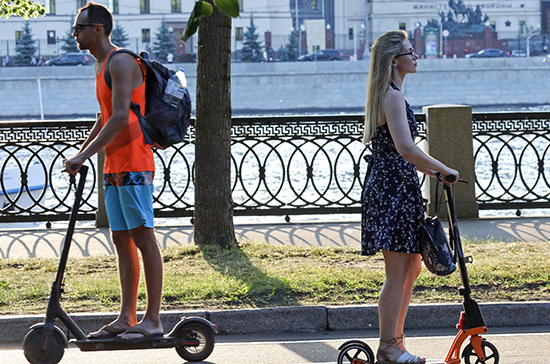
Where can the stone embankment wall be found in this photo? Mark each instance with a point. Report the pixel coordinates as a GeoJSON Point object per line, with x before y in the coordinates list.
{"type": "Point", "coordinates": [295, 87]}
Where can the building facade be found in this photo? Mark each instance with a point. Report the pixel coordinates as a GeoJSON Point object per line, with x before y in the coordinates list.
{"type": "Point", "coordinates": [348, 25]}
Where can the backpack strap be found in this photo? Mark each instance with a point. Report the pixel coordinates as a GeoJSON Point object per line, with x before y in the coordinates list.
{"type": "Point", "coordinates": [438, 198]}
{"type": "Point", "coordinates": [108, 79]}
{"type": "Point", "coordinates": [133, 106]}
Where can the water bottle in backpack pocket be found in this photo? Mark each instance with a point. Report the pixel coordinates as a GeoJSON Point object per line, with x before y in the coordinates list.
{"type": "Point", "coordinates": [175, 88]}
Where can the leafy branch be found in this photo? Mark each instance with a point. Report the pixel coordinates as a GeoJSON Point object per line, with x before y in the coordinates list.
{"type": "Point", "coordinates": [23, 8]}
{"type": "Point", "coordinates": [202, 8]}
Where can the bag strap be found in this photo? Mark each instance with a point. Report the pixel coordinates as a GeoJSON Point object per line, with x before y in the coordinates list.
{"type": "Point", "coordinates": [437, 198]}
{"type": "Point", "coordinates": [133, 106]}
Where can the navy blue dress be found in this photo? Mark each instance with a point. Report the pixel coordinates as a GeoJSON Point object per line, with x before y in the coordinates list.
{"type": "Point", "coordinates": [392, 204]}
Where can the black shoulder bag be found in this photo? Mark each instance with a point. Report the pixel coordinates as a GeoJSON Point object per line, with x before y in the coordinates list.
{"type": "Point", "coordinates": [434, 246]}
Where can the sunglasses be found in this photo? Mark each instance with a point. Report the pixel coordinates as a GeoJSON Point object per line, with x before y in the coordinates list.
{"type": "Point", "coordinates": [78, 27]}
{"type": "Point", "coordinates": [411, 53]}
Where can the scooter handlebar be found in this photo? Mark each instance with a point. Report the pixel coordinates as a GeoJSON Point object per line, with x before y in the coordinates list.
{"type": "Point", "coordinates": [451, 178]}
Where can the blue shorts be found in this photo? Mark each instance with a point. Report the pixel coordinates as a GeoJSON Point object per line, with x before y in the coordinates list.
{"type": "Point", "coordinates": [129, 200]}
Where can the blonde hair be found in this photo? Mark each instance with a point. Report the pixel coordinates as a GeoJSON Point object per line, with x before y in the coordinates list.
{"type": "Point", "coordinates": [383, 51]}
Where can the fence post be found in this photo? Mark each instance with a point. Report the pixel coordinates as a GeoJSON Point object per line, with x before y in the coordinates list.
{"type": "Point", "coordinates": [450, 140]}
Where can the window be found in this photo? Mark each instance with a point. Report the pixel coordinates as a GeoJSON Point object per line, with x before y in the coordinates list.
{"type": "Point", "coordinates": [113, 5]}
{"type": "Point", "coordinates": [18, 35]}
{"type": "Point", "coordinates": [522, 26]}
{"type": "Point", "coordinates": [238, 33]}
{"type": "Point", "coordinates": [50, 7]}
{"type": "Point", "coordinates": [144, 7]}
{"type": "Point", "coordinates": [350, 33]}
{"type": "Point", "coordinates": [51, 36]}
{"type": "Point", "coordinates": [315, 4]}
{"type": "Point", "coordinates": [176, 6]}
{"type": "Point", "coordinates": [80, 4]}
{"type": "Point", "coordinates": [241, 4]}
{"type": "Point", "coordinates": [403, 26]}
{"type": "Point", "coordinates": [145, 36]}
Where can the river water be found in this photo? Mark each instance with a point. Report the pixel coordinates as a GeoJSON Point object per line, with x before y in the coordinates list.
{"type": "Point", "coordinates": [60, 181]}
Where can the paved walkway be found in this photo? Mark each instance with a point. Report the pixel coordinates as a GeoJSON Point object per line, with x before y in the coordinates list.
{"type": "Point", "coordinates": [15, 243]}
{"type": "Point", "coordinates": [19, 243]}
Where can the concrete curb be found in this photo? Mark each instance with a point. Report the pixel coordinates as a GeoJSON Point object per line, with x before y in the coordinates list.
{"type": "Point", "coordinates": [308, 318]}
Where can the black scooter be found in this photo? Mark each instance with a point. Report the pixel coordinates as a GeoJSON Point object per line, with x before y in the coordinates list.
{"type": "Point", "coordinates": [45, 343]}
{"type": "Point", "coordinates": [470, 325]}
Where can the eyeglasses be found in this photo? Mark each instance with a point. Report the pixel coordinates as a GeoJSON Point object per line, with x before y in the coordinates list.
{"type": "Point", "coordinates": [78, 27]}
{"type": "Point", "coordinates": [412, 53]}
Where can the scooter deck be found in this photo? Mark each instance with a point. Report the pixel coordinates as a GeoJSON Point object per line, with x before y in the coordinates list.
{"type": "Point", "coordinates": [153, 343]}
{"type": "Point", "coordinates": [428, 361]}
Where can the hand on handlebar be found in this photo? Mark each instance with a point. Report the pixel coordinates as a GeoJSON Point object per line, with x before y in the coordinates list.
{"type": "Point", "coordinates": [450, 178]}
{"type": "Point", "coordinates": [72, 165]}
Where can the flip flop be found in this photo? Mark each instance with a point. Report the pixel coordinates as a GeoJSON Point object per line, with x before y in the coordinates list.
{"type": "Point", "coordinates": [136, 330]}
{"type": "Point", "coordinates": [112, 332]}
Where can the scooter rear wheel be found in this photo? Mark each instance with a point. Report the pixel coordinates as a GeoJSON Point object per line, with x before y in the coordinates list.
{"type": "Point", "coordinates": [490, 351]}
{"type": "Point", "coordinates": [356, 350]}
{"type": "Point", "coordinates": [206, 339]}
{"type": "Point", "coordinates": [33, 347]}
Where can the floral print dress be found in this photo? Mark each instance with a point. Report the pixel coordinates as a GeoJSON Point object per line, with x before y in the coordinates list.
{"type": "Point", "coordinates": [392, 204]}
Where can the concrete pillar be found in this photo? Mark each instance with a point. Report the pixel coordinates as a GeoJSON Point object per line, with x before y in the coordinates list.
{"type": "Point", "coordinates": [450, 140]}
{"type": "Point", "coordinates": [418, 42]}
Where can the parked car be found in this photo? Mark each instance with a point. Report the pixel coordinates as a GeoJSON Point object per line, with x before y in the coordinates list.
{"type": "Point", "coordinates": [488, 53]}
{"type": "Point", "coordinates": [518, 53]}
{"type": "Point", "coordinates": [71, 59]}
{"type": "Point", "coordinates": [323, 55]}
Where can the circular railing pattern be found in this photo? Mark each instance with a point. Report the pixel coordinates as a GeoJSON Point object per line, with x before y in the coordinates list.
{"type": "Point", "coordinates": [511, 153]}
{"type": "Point", "coordinates": [32, 184]}
{"type": "Point", "coordinates": [279, 166]}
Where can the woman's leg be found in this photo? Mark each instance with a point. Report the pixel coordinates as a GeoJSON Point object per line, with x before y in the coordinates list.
{"type": "Point", "coordinates": [414, 272]}
{"type": "Point", "coordinates": [392, 293]}
{"type": "Point", "coordinates": [390, 306]}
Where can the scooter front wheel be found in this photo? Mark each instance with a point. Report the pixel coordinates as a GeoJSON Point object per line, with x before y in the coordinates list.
{"type": "Point", "coordinates": [489, 350]}
{"type": "Point", "coordinates": [203, 334]}
{"type": "Point", "coordinates": [355, 351]}
{"type": "Point", "coordinates": [38, 353]}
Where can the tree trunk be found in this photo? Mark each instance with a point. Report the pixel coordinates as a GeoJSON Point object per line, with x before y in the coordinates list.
{"type": "Point", "coordinates": [213, 200]}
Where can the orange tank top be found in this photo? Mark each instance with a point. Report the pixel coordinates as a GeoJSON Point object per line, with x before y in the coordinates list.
{"type": "Point", "coordinates": [128, 151]}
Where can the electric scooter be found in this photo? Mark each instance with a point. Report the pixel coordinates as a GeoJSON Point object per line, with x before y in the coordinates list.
{"type": "Point", "coordinates": [45, 343]}
{"type": "Point", "coordinates": [470, 325]}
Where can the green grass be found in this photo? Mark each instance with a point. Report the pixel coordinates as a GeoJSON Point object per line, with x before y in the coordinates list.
{"type": "Point", "coordinates": [262, 275]}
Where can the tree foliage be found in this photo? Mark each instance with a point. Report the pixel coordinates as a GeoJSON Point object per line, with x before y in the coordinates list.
{"type": "Point", "coordinates": [291, 50]}
{"type": "Point", "coordinates": [230, 8]}
{"type": "Point", "coordinates": [164, 42]}
{"type": "Point", "coordinates": [119, 37]}
{"type": "Point", "coordinates": [252, 50]}
{"type": "Point", "coordinates": [24, 8]}
{"type": "Point", "coordinates": [69, 43]}
{"type": "Point", "coordinates": [25, 47]}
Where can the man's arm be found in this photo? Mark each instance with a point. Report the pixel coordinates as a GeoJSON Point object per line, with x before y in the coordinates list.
{"type": "Point", "coordinates": [93, 133]}
{"type": "Point", "coordinates": [126, 75]}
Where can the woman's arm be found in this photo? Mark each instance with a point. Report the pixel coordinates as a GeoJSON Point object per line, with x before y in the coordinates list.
{"type": "Point", "coordinates": [396, 117]}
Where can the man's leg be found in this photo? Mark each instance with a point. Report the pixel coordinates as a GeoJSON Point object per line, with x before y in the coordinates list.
{"type": "Point", "coordinates": [145, 240]}
{"type": "Point", "coordinates": [128, 270]}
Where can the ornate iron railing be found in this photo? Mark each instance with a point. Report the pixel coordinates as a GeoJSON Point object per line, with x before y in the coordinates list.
{"type": "Point", "coordinates": [512, 155]}
{"type": "Point", "coordinates": [280, 166]}
{"type": "Point", "coordinates": [32, 186]}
